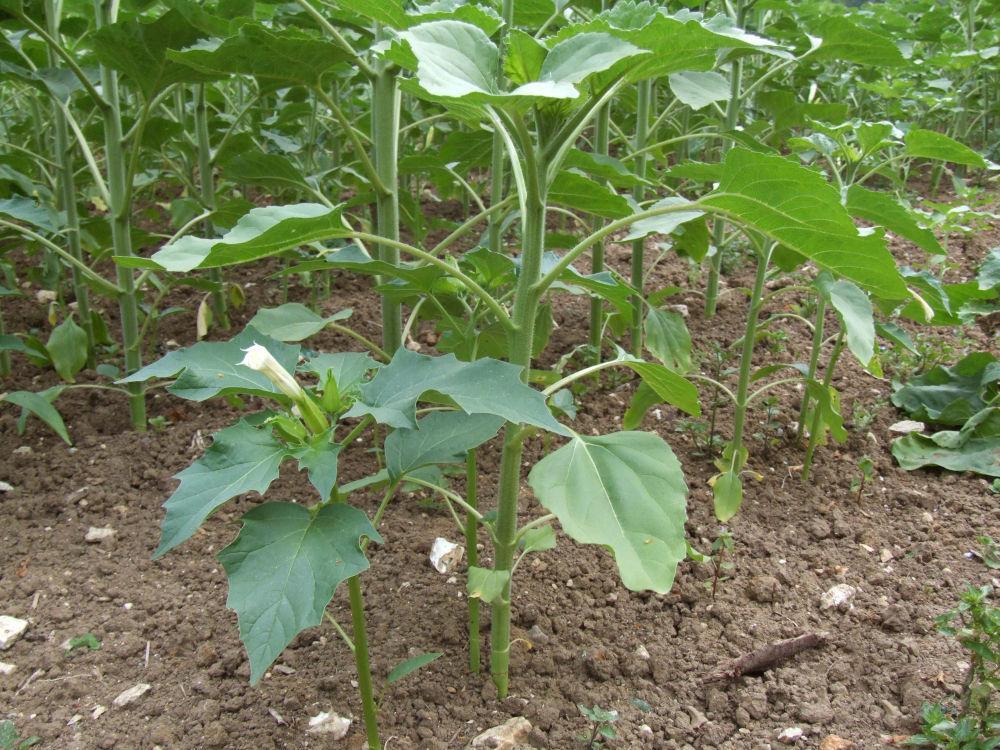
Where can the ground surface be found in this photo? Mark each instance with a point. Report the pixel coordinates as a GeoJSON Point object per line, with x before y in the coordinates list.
{"type": "Point", "coordinates": [582, 638]}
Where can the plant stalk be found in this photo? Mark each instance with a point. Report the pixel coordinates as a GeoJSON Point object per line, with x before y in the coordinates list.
{"type": "Point", "coordinates": [817, 346]}
{"type": "Point", "coordinates": [368, 706]}
{"type": "Point", "coordinates": [206, 181]}
{"type": "Point", "coordinates": [816, 426]}
{"type": "Point", "coordinates": [472, 553]}
{"type": "Point", "coordinates": [645, 90]}
{"type": "Point", "coordinates": [601, 139]}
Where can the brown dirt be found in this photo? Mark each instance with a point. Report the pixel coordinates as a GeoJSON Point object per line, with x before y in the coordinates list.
{"type": "Point", "coordinates": [903, 546]}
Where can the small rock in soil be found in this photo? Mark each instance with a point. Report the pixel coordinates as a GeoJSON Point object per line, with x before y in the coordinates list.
{"type": "Point", "coordinates": [646, 731]}
{"type": "Point", "coordinates": [790, 736]}
{"type": "Point", "coordinates": [7, 668]}
{"type": "Point", "coordinates": [907, 425]}
{"type": "Point", "coordinates": [507, 736]}
{"type": "Point", "coordinates": [538, 637]}
{"type": "Point", "coordinates": [764, 589]}
{"type": "Point", "coordinates": [131, 695]}
{"type": "Point", "coordinates": [11, 628]}
{"type": "Point", "coordinates": [838, 596]}
{"type": "Point", "coordinates": [642, 652]}
{"type": "Point", "coordinates": [6, 487]}
{"type": "Point", "coordinates": [329, 723]}
{"type": "Point", "coordinates": [819, 529]}
{"type": "Point", "coordinates": [820, 712]}
{"type": "Point", "coordinates": [97, 534]}
{"type": "Point", "coordinates": [833, 742]}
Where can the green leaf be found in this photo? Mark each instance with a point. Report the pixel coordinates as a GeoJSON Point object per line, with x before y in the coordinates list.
{"type": "Point", "coordinates": [727, 494]}
{"type": "Point", "coordinates": [349, 369]}
{"type": "Point", "coordinates": [276, 58]}
{"type": "Point", "coordinates": [581, 193]}
{"type": "Point", "coordinates": [40, 406]}
{"type": "Point", "coordinates": [139, 51]}
{"type": "Point", "coordinates": [67, 347]}
{"type": "Point", "coordinates": [667, 337]}
{"type": "Point", "coordinates": [283, 569]}
{"type": "Point", "coordinates": [212, 368]}
{"type": "Point", "coordinates": [989, 272]}
{"type": "Point", "coordinates": [411, 665]}
{"type": "Point", "coordinates": [485, 386]}
{"type": "Point", "coordinates": [440, 437]}
{"type": "Point", "coordinates": [668, 386]}
{"type": "Point", "coordinates": [319, 457]}
{"type": "Point", "coordinates": [975, 448]}
{"type": "Point", "coordinates": [697, 89]}
{"type": "Point", "coordinates": [626, 491]}
{"type": "Point", "coordinates": [664, 224]}
{"type": "Point", "coordinates": [31, 212]}
{"type": "Point", "coordinates": [486, 584]}
{"type": "Point", "coordinates": [261, 233]}
{"type": "Point", "coordinates": [951, 395]}
{"type": "Point", "coordinates": [796, 207]}
{"type": "Point", "coordinates": [292, 321]}
{"type": "Point", "coordinates": [241, 459]}
{"type": "Point", "coordinates": [88, 641]}
{"type": "Point", "coordinates": [884, 210]}
{"type": "Point", "coordinates": [243, 162]}
{"type": "Point", "coordinates": [539, 539]}
{"type": "Point", "coordinates": [929, 144]}
{"type": "Point", "coordinates": [644, 399]}
{"type": "Point", "coordinates": [855, 312]}
{"type": "Point", "coordinates": [843, 40]}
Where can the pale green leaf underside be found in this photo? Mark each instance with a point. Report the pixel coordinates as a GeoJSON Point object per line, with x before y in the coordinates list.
{"type": "Point", "coordinates": [855, 312]}
{"type": "Point", "coordinates": [626, 491]}
{"type": "Point", "coordinates": [292, 321]}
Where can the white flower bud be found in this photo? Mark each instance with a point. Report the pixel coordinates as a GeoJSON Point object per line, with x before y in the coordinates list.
{"type": "Point", "coordinates": [258, 358]}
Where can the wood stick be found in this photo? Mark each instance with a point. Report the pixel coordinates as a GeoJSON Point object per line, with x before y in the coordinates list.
{"type": "Point", "coordinates": [767, 657]}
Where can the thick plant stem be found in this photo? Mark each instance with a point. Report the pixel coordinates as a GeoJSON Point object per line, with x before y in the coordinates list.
{"type": "Point", "coordinates": [638, 246]}
{"type": "Point", "coordinates": [472, 554]}
{"type": "Point", "coordinates": [817, 421]}
{"type": "Point", "coordinates": [746, 359]}
{"type": "Point", "coordinates": [361, 660]}
{"type": "Point", "coordinates": [206, 183]}
{"type": "Point", "coordinates": [601, 133]}
{"type": "Point", "coordinates": [719, 226]}
{"type": "Point", "coordinates": [385, 140]}
{"type": "Point", "coordinates": [4, 355]}
{"type": "Point", "coordinates": [525, 309]}
{"type": "Point", "coordinates": [497, 165]}
{"type": "Point", "coordinates": [119, 214]}
{"type": "Point", "coordinates": [67, 193]}
{"type": "Point", "coordinates": [817, 345]}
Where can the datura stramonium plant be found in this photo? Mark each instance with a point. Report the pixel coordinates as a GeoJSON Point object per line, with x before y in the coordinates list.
{"type": "Point", "coordinates": [259, 359]}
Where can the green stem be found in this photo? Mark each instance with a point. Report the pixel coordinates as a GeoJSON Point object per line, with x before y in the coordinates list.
{"type": "Point", "coordinates": [817, 345]}
{"type": "Point", "coordinates": [817, 420]}
{"type": "Point", "coordinates": [601, 139]}
{"type": "Point", "coordinates": [361, 659]}
{"type": "Point", "coordinates": [639, 193]}
{"type": "Point", "coordinates": [207, 184]}
{"type": "Point", "coordinates": [5, 354]}
{"type": "Point", "coordinates": [719, 226]}
{"type": "Point", "coordinates": [472, 554]}
{"type": "Point", "coordinates": [497, 154]}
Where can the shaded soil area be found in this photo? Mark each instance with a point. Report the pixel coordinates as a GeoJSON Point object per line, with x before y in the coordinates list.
{"type": "Point", "coordinates": [580, 636]}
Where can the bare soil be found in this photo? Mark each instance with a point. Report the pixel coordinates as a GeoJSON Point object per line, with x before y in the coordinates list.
{"type": "Point", "coordinates": [581, 637]}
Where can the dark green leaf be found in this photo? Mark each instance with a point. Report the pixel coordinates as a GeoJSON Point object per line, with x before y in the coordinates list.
{"type": "Point", "coordinates": [440, 437]}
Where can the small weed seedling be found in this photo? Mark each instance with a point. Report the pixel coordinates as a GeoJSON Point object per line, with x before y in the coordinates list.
{"type": "Point", "coordinates": [989, 552]}
{"type": "Point", "coordinates": [866, 469]}
{"type": "Point", "coordinates": [602, 729]}
{"type": "Point", "coordinates": [722, 550]}
{"type": "Point", "coordinates": [11, 739]}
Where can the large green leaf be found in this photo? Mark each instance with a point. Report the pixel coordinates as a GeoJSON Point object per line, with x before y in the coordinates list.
{"type": "Point", "coordinates": [667, 337]}
{"type": "Point", "coordinates": [951, 395]}
{"type": "Point", "coordinates": [485, 386]}
{"type": "Point", "coordinates": [212, 368]}
{"type": "Point", "coordinates": [283, 569]}
{"type": "Point", "coordinates": [67, 347]}
{"type": "Point", "coordinates": [929, 144]}
{"type": "Point", "coordinates": [626, 491]}
{"type": "Point", "coordinates": [262, 232]}
{"type": "Point", "coordinates": [292, 321]}
{"type": "Point", "coordinates": [665, 223]}
{"type": "Point", "coordinates": [31, 212]}
{"type": "Point", "coordinates": [139, 51]}
{"type": "Point", "coordinates": [796, 207]}
{"type": "Point", "coordinates": [976, 447]}
{"type": "Point", "coordinates": [440, 437]}
{"type": "Point", "coordinates": [275, 58]}
{"type": "Point", "coordinates": [668, 386]}
{"type": "Point", "coordinates": [241, 459]}
{"type": "Point", "coordinates": [886, 211]}
{"type": "Point", "coordinates": [855, 311]}
{"type": "Point", "coordinates": [245, 163]}
{"type": "Point", "coordinates": [989, 273]}
{"type": "Point", "coordinates": [699, 89]}
{"type": "Point", "coordinates": [844, 40]}
{"type": "Point", "coordinates": [580, 193]}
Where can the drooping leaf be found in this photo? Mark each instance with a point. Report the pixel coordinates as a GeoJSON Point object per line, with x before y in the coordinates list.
{"type": "Point", "coordinates": [292, 321]}
{"type": "Point", "coordinates": [283, 569]}
{"type": "Point", "coordinates": [67, 347]}
{"type": "Point", "coordinates": [951, 395]}
{"type": "Point", "coordinates": [41, 407]}
{"type": "Point", "coordinates": [31, 212]}
{"type": "Point", "coordinates": [539, 539]}
{"type": "Point", "coordinates": [727, 495]}
{"type": "Point", "coordinates": [975, 447]}
{"type": "Point", "coordinates": [699, 89]}
{"type": "Point", "coordinates": [929, 144]}
{"type": "Point", "coordinates": [486, 584]}
{"type": "Point", "coordinates": [581, 193]}
{"type": "Point", "coordinates": [644, 399]}
{"type": "Point", "coordinates": [411, 665]}
{"type": "Point", "coordinates": [485, 386]}
{"type": "Point", "coordinates": [667, 337]}
{"type": "Point", "coordinates": [669, 386]}
{"type": "Point", "coordinates": [211, 368]}
{"type": "Point", "coordinates": [989, 272]}
{"type": "Point", "coordinates": [884, 210]}
{"type": "Point", "coordinates": [855, 312]}
{"type": "Point", "coordinates": [262, 232]}
{"type": "Point", "coordinates": [319, 457]}
{"type": "Point", "coordinates": [666, 223]}
{"type": "Point", "coordinates": [241, 459]}
{"type": "Point", "coordinates": [626, 491]}
{"type": "Point", "coordinates": [440, 437]}
{"type": "Point", "coordinates": [796, 207]}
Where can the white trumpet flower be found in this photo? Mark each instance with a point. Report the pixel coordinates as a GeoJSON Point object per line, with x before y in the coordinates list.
{"type": "Point", "coordinates": [259, 359]}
